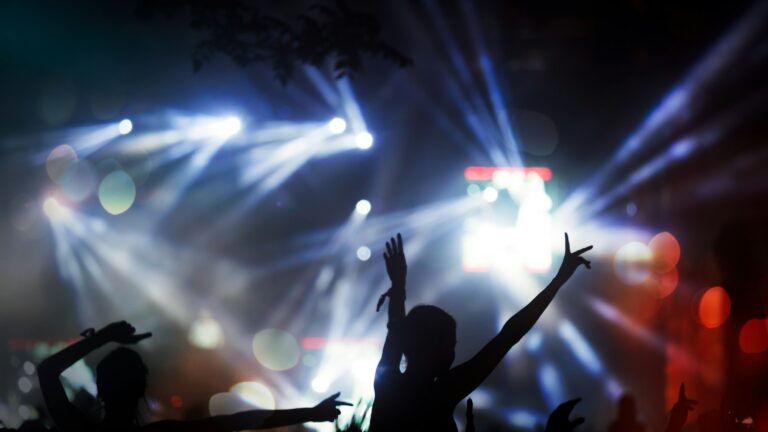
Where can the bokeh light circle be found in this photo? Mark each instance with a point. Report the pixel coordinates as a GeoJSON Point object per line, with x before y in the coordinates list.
{"type": "Point", "coordinates": [666, 283]}
{"type": "Point", "coordinates": [753, 337]}
{"type": "Point", "coordinates": [666, 252]}
{"type": "Point", "coordinates": [79, 182]}
{"type": "Point", "coordinates": [227, 403]}
{"type": "Point", "coordinates": [714, 307]}
{"type": "Point", "coordinates": [255, 394]}
{"type": "Point", "coordinates": [363, 253]}
{"type": "Point", "coordinates": [59, 160]}
{"type": "Point", "coordinates": [632, 263]}
{"type": "Point", "coordinates": [117, 192]}
{"type": "Point", "coordinates": [276, 349]}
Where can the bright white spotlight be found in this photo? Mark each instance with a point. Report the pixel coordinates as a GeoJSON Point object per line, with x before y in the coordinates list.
{"type": "Point", "coordinates": [125, 126]}
{"type": "Point", "coordinates": [490, 194]}
{"type": "Point", "coordinates": [364, 140]}
{"type": "Point", "coordinates": [363, 253]}
{"type": "Point", "coordinates": [363, 207]}
{"type": "Point", "coordinates": [227, 127]}
{"type": "Point", "coordinates": [337, 125]}
{"type": "Point", "coordinates": [320, 384]}
{"type": "Point", "coordinates": [54, 210]}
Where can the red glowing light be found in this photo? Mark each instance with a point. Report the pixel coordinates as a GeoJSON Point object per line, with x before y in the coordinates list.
{"type": "Point", "coordinates": [714, 307]}
{"type": "Point", "coordinates": [667, 282]}
{"type": "Point", "coordinates": [753, 337]}
{"type": "Point", "coordinates": [479, 173]}
{"type": "Point", "coordinates": [666, 252]}
{"type": "Point", "coordinates": [177, 401]}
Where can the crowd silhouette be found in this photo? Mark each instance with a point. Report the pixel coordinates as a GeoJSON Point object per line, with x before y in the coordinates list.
{"type": "Point", "coordinates": [417, 387]}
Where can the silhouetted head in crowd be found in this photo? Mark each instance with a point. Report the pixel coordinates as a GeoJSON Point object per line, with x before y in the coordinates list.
{"type": "Point", "coordinates": [32, 426]}
{"type": "Point", "coordinates": [627, 407]}
{"type": "Point", "coordinates": [121, 380]}
{"type": "Point", "coordinates": [430, 341]}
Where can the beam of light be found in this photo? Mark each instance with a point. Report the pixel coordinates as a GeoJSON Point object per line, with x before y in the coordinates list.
{"type": "Point", "coordinates": [552, 385]}
{"type": "Point", "coordinates": [465, 93]}
{"type": "Point", "coordinates": [681, 104]}
{"type": "Point", "coordinates": [350, 106]}
{"type": "Point", "coordinates": [84, 140]}
{"type": "Point", "coordinates": [676, 153]}
{"type": "Point", "coordinates": [508, 141]}
{"type": "Point", "coordinates": [580, 347]}
{"type": "Point", "coordinates": [138, 273]}
{"type": "Point", "coordinates": [524, 417]}
{"type": "Point", "coordinates": [322, 85]}
{"type": "Point", "coordinates": [641, 333]}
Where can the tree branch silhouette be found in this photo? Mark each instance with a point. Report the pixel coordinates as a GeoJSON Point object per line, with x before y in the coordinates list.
{"type": "Point", "coordinates": [334, 35]}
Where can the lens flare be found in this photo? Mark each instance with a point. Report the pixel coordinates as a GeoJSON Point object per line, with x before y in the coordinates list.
{"type": "Point", "coordinates": [276, 349]}
{"type": "Point", "coordinates": [632, 263]}
{"type": "Point", "coordinates": [117, 192]}
{"type": "Point", "coordinates": [714, 307]}
{"type": "Point", "coordinates": [59, 161]}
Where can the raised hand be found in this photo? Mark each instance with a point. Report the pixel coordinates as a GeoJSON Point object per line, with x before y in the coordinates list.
{"type": "Point", "coordinates": [679, 414]}
{"type": "Point", "coordinates": [394, 258]}
{"type": "Point", "coordinates": [558, 420]}
{"type": "Point", "coordinates": [327, 410]}
{"type": "Point", "coordinates": [122, 333]}
{"type": "Point", "coordinates": [470, 416]}
{"type": "Point", "coordinates": [572, 260]}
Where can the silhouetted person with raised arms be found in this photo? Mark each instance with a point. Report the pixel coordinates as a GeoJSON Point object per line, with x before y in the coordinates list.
{"type": "Point", "coordinates": [626, 418]}
{"type": "Point", "coordinates": [121, 380]}
{"type": "Point", "coordinates": [424, 397]}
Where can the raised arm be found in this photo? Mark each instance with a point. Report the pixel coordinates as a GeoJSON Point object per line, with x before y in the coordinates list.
{"type": "Point", "coordinates": [394, 258]}
{"type": "Point", "coordinates": [679, 414]}
{"type": "Point", "coordinates": [463, 379]}
{"type": "Point", "coordinates": [325, 411]}
{"type": "Point", "coordinates": [66, 416]}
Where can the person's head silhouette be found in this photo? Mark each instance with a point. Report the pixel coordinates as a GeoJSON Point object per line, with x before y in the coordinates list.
{"type": "Point", "coordinates": [430, 340]}
{"type": "Point", "coordinates": [627, 408]}
{"type": "Point", "coordinates": [121, 381]}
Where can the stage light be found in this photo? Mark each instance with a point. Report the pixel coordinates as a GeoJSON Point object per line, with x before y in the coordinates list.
{"type": "Point", "coordinates": [489, 245]}
{"type": "Point", "coordinates": [363, 253]}
{"type": "Point", "coordinates": [29, 368]}
{"type": "Point", "coordinates": [227, 127]}
{"type": "Point", "coordinates": [337, 125]}
{"type": "Point", "coordinates": [276, 349]}
{"type": "Point", "coordinates": [125, 126]}
{"type": "Point", "coordinates": [490, 194]}
{"type": "Point", "coordinates": [54, 210]}
{"type": "Point", "coordinates": [363, 207]}
{"type": "Point", "coordinates": [364, 140]}
{"type": "Point", "coordinates": [320, 384]}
